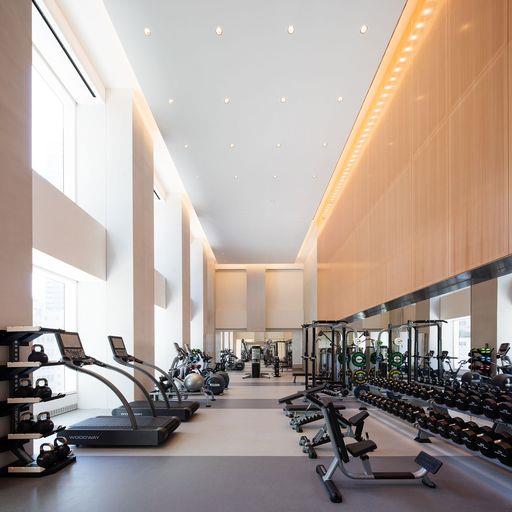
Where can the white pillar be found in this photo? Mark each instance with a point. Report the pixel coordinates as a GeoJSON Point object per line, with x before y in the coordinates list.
{"type": "Point", "coordinates": [172, 255]}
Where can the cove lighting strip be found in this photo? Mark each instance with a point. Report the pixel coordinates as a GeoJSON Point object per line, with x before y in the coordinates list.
{"type": "Point", "coordinates": [416, 28]}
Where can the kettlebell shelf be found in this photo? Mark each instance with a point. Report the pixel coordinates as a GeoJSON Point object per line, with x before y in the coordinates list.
{"type": "Point", "coordinates": [12, 368]}
{"type": "Point", "coordinates": [17, 405]}
{"type": "Point", "coordinates": [32, 470]}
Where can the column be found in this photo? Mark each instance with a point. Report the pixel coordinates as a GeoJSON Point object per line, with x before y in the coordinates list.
{"type": "Point", "coordinates": [15, 175]}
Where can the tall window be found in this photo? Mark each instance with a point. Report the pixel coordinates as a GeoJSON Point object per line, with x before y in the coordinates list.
{"type": "Point", "coordinates": [54, 302]}
{"type": "Point", "coordinates": [457, 339]}
{"type": "Point", "coordinates": [53, 128]}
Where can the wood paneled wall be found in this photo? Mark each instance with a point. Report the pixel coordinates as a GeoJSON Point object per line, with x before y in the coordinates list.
{"type": "Point", "coordinates": [430, 196]}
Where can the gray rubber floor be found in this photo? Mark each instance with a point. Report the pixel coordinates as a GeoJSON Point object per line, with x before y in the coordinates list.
{"type": "Point", "coordinates": [235, 484]}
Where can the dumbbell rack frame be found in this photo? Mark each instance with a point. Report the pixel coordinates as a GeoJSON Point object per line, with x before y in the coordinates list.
{"type": "Point", "coordinates": [423, 435]}
{"type": "Point", "coordinates": [12, 371]}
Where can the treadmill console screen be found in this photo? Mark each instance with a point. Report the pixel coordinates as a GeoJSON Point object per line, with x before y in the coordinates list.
{"type": "Point", "coordinates": [503, 348]}
{"type": "Point", "coordinates": [70, 345]}
{"type": "Point", "coordinates": [117, 345]}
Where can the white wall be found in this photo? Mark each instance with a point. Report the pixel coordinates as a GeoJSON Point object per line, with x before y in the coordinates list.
{"type": "Point", "coordinates": [456, 304]}
{"type": "Point", "coordinates": [197, 293]}
{"type": "Point", "coordinates": [284, 298]}
{"type": "Point", "coordinates": [64, 231]}
{"type": "Point", "coordinates": [230, 299]}
{"type": "Point", "coordinates": [310, 285]}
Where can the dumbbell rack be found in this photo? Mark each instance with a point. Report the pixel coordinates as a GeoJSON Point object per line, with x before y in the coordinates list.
{"type": "Point", "coordinates": [424, 435]}
{"type": "Point", "coordinates": [11, 371]}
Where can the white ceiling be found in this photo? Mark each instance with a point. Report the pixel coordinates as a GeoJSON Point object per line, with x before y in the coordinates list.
{"type": "Point", "coordinates": [255, 218]}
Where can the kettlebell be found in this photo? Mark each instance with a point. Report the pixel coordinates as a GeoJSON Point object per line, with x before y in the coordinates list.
{"type": "Point", "coordinates": [26, 425]}
{"type": "Point", "coordinates": [61, 447]}
{"type": "Point", "coordinates": [47, 456]}
{"type": "Point", "coordinates": [37, 355]}
{"type": "Point", "coordinates": [42, 390]}
{"type": "Point", "coordinates": [24, 389]}
{"type": "Point", "coordinates": [44, 424]}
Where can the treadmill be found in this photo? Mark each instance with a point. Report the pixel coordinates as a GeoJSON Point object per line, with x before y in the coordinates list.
{"type": "Point", "coordinates": [111, 430]}
{"type": "Point", "coordinates": [182, 409]}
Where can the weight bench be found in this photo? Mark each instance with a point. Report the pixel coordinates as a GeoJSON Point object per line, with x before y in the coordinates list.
{"type": "Point", "coordinates": [297, 374]}
{"type": "Point", "coordinates": [344, 452]}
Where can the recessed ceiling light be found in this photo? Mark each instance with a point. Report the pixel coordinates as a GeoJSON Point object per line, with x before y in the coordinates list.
{"type": "Point", "coordinates": [291, 29]}
{"type": "Point", "coordinates": [231, 145]}
{"type": "Point", "coordinates": [427, 11]}
{"type": "Point", "coordinates": [147, 31]}
{"type": "Point", "coordinates": [363, 29]}
{"type": "Point", "coordinates": [392, 79]}
{"type": "Point", "coordinates": [420, 24]}
{"type": "Point", "coordinates": [339, 99]}
{"type": "Point", "coordinates": [275, 176]}
{"type": "Point", "coordinates": [402, 59]}
{"type": "Point", "coordinates": [236, 177]}
{"type": "Point", "coordinates": [408, 49]}
{"type": "Point", "coordinates": [278, 145]}
{"type": "Point", "coordinates": [314, 176]}
{"type": "Point", "coordinates": [283, 99]}
{"type": "Point", "coordinates": [227, 99]}
{"type": "Point", "coordinates": [171, 101]}
{"type": "Point", "coordinates": [398, 69]}
{"type": "Point", "coordinates": [324, 144]}
{"type": "Point", "coordinates": [219, 31]}
{"type": "Point", "coordinates": [388, 87]}
{"type": "Point", "coordinates": [186, 146]}
{"type": "Point", "coordinates": [413, 37]}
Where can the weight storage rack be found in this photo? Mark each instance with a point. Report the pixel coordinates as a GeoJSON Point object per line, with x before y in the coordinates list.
{"type": "Point", "coordinates": [12, 371]}
{"type": "Point", "coordinates": [423, 435]}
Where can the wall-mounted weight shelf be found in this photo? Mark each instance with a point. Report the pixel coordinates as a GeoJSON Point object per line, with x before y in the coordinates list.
{"type": "Point", "coordinates": [13, 371]}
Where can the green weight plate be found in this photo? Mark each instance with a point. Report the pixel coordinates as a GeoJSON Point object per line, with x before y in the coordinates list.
{"type": "Point", "coordinates": [373, 358]}
{"type": "Point", "coordinates": [396, 359]}
{"type": "Point", "coordinates": [358, 359]}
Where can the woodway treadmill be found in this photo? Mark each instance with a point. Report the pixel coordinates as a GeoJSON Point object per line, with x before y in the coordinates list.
{"type": "Point", "coordinates": [111, 430]}
{"type": "Point", "coordinates": [181, 408]}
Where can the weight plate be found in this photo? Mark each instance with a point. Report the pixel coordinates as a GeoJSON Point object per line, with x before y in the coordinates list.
{"type": "Point", "coordinates": [398, 342]}
{"type": "Point", "coordinates": [358, 359]}
{"type": "Point", "coordinates": [396, 359]}
{"type": "Point", "coordinates": [373, 358]}
{"type": "Point", "coordinates": [395, 374]}
{"type": "Point", "coordinates": [360, 377]}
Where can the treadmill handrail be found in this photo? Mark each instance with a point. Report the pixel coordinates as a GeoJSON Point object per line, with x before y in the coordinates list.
{"type": "Point", "coordinates": [127, 362]}
{"type": "Point", "coordinates": [111, 386]}
{"type": "Point", "coordinates": [166, 375]}
{"type": "Point", "coordinates": [133, 379]}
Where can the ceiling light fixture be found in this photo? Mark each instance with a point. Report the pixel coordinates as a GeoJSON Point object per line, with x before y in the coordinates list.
{"type": "Point", "coordinates": [352, 154]}
{"type": "Point", "coordinates": [324, 144]}
{"type": "Point", "coordinates": [283, 99]}
{"type": "Point", "coordinates": [147, 31]}
{"type": "Point", "coordinates": [278, 145]}
{"type": "Point", "coordinates": [236, 177]}
{"type": "Point", "coordinates": [231, 145]}
{"type": "Point", "coordinates": [219, 31]}
{"type": "Point", "coordinates": [186, 146]}
{"type": "Point", "coordinates": [339, 99]}
{"type": "Point", "coordinates": [291, 29]}
{"type": "Point", "coordinates": [227, 99]}
{"type": "Point", "coordinates": [171, 101]}
{"type": "Point", "coordinates": [275, 176]}
{"type": "Point", "coordinates": [314, 176]}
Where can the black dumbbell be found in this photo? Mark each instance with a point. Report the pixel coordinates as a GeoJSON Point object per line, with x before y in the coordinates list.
{"type": "Point", "coordinates": [475, 404]}
{"type": "Point", "coordinates": [485, 441]}
{"type": "Point", "coordinates": [37, 355]}
{"type": "Point", "coordinates": [468, 435]}
{"type": "Point", "coordinates": [490, 408]}
{"type": "Point", "coordinates": [503, 449]}
{"type": "Point", "coordinates": [42, 390]}
{"type": "Point", "coordinates": [505, 411]}
{"type": "Point", "coordinates": [461, 400]}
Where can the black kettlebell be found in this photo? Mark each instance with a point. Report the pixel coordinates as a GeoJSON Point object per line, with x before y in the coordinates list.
{"type": "Point", "coordinates": [44, 424]}
{"type": "Point", "coordinates": [61, 448]}
{"type": "Point", "coordinates": [47, 456]}
{"type": "Point", "coordinates": [42, 390]}
{"type": "Point", "coordinates": [37, 355]}
{"type": "Point", "coordinates": [26, 425]}
{"type": "Point", "coordinates": [24, 389]}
